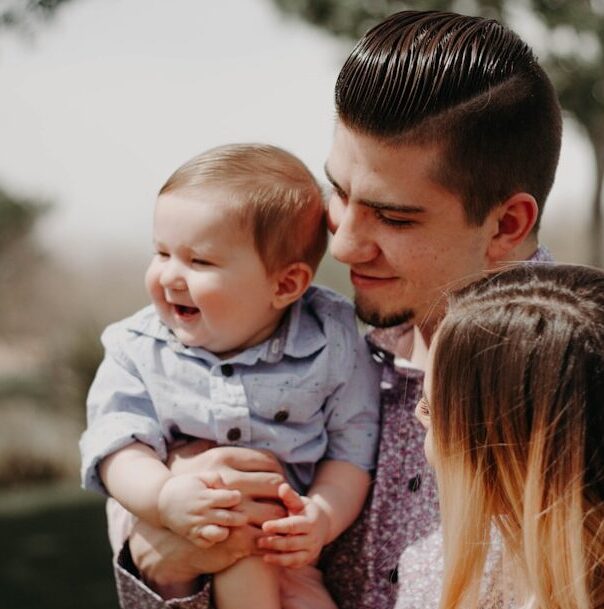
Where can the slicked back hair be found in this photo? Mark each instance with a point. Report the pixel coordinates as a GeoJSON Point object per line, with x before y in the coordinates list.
{"type": "Point", "coordinates": [273, 194]}
{"type": "Point", "coordinates": [466, 84]}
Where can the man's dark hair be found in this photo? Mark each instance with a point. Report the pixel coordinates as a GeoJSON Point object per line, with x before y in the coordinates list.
{"type": "Point", "coordinates": [467, 84]}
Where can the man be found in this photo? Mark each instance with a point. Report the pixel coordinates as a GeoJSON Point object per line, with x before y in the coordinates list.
{"type": "Point", "coordinates": [445, 148]}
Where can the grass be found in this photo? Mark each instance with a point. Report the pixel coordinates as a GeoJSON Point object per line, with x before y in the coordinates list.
{"type": "Point", "coordinates": [56, 554]}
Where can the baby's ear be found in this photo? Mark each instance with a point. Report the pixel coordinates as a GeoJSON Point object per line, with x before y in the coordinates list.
{"type": "Point", "coordinates": [290, 283]}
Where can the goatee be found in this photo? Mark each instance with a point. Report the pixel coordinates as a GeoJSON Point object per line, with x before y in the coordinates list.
{"type": "Point", "coordinates": [379, 320]}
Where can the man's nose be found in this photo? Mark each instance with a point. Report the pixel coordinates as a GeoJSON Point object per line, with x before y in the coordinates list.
{"type": "Point", "coordinates": [172, 276]}
{"type": "Point", "coordinates": [352, 241]}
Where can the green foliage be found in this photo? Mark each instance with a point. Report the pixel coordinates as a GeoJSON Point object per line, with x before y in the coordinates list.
{"type": "Point", "coordinates": [17, 218]}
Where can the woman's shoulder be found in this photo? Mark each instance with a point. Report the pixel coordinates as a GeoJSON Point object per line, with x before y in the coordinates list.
{"type": "Point", "coordinates": [420, 574]}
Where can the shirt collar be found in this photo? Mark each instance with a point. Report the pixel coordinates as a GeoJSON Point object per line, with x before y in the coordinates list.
{"type": "Point", "coordinates": [299, 335]}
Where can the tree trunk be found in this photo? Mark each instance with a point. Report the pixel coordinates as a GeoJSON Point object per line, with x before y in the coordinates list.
{"type": "Point", "coordinates": [597, 140]}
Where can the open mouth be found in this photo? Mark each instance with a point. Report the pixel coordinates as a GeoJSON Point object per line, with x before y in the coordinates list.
{"type": "Point", "coordinates": [184, 311]}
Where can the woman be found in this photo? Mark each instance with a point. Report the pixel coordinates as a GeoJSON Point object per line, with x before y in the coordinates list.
{"type": "Point", "coordinates": [514, 406]}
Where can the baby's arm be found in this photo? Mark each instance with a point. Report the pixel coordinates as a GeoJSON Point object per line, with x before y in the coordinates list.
{"type": "Point", "coordinates": [137, 478]}
{"type": "Point", "coordinates": [334, 500]}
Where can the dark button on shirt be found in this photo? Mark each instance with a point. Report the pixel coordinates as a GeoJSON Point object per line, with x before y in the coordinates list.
{"type": "Point", "coordinates": [233, 434]}
{"type": "Point", "coordinates": [227, 369]}
{"type": "Point", "coordinates": [415, 483]}
{"type": "Point", "coordinates": [281, 416]}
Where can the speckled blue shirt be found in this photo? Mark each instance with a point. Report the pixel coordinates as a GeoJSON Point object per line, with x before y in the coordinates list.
{"type": "Point", "coordinates": [310, 391]}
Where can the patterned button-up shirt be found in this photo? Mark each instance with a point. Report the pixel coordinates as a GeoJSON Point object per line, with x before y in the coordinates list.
{"type": "Point", "coordinates": [310, 391]}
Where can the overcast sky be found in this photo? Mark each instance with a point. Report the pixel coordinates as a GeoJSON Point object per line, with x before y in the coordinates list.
{"type": "Point", "coordinates": [113, 95]}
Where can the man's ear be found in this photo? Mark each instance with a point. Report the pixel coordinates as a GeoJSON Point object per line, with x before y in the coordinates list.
{"type": "Point", "coordinates": [290, 283]}
{"type": "Point", "coordinates": [513, 222]}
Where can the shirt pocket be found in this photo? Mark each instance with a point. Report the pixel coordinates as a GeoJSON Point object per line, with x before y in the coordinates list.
{"type": "Point", "coordinates": [285, 399]}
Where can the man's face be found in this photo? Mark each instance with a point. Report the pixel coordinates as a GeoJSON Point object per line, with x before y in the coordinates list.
{"type": "Point", "coordinates": [404, 236]}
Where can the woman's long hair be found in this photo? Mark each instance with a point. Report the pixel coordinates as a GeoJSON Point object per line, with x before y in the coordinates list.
{"type": "Point", "coordinates": [517, 410]}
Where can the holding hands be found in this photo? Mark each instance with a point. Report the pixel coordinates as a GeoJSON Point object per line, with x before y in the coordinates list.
{"type": "Point", "coordinates": [189, 507]}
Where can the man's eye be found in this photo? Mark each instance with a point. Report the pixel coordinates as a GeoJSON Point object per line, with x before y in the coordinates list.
{"type": "Point", "coordinates": [393, 220]}
{"type": "Point", "coordinates": [338, 192]}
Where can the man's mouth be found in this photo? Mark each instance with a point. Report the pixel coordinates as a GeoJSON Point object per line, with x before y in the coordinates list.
{"type": "Point", "coordinates": [360, 280]}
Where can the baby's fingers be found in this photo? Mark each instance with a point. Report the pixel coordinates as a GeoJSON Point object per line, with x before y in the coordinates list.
{"type": "Point", "coordinates": [218, 498]}
{"type": "Point", "coordinates": [292, 525]}
{"type": "Point", "coordinates": [293, 560]}
{"type": "Point", "coordinates": [278, 543]}
{"type": "Point", "coordinates": [211, 533]}
{"type": "Point", "coordinates": [291, 499]}
{"type": "Point", "coordinates": [225, 518]}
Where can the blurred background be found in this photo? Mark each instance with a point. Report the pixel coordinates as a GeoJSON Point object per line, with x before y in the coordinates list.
{"type": "Point", "coordinates": [101, 101]}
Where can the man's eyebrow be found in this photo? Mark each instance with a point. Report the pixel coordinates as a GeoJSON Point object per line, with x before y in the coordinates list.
{"type": "Point", "coordinates": [404, 209]}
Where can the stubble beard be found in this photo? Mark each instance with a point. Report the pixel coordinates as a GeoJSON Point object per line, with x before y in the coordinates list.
{"type": "Point", "coordinates": [375, 318]}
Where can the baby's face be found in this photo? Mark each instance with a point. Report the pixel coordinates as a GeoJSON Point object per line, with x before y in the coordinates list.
{"type": "Point", "coordinates": [206, 280]}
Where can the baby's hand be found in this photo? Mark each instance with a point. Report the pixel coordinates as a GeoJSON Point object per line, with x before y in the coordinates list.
{"type": "Point", "coordinates": [200, 514]}
{"type": "Point", "coordinates": [297, 539]}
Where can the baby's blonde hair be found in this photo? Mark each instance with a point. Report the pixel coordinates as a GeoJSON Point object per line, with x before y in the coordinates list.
{"type": "Point", "coordinates": [275, 196]}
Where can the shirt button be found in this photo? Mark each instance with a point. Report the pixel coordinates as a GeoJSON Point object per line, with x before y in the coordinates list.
{"type": "Point", "coordinates": [393, 576]}
{"type": "Point", "coordinates": [414, 483]}
{"type": "Point", "coordinates": [281, 416]}
{"type": "Point", "coordinates": [233, 434]}
{"type": "Point", "coordinates": [227, 369]}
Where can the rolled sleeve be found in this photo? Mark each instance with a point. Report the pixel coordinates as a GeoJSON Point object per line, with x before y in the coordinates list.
{"type": "Point", "coordinates": [133, 593]}
{"type": "Point", "coordinates": [119, 411]}
{"type": "Point", "coordinates": [353, 409]}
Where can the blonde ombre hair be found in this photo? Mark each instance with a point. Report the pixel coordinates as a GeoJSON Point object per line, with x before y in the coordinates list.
{"type": "Point", "coordinates": [517, 413]}
{"type": "Point", "coordinates": [275, 196]}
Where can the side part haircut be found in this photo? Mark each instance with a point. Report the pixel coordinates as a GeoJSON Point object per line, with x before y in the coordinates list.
{"type": "Point", "coordinates": [517, 411]}
{"type": "Point", "coordinates": [467, 84]}
{"type": "Point", "coordinates": [274, 195]}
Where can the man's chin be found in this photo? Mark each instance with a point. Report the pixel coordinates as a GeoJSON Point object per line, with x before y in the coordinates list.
{"type": "Point", "coordinates": [379, 319]}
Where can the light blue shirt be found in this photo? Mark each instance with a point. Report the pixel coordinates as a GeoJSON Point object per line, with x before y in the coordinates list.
{"type": "Point", "coordinates": [311, 391]}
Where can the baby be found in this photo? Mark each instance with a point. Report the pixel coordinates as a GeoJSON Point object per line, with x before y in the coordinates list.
{"type": "Point", "coordinates": [239, 349]}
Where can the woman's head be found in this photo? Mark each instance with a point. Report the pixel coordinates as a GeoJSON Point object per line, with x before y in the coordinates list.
{"type": "Point", "coordinates": [517, 415]}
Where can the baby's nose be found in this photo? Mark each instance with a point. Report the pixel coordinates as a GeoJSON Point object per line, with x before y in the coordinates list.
{"type": "Point", "coordinates": [172, 276]}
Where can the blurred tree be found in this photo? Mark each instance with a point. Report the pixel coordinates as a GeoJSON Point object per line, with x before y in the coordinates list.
{"type": "Point", "coordinates": [18, 215]}
{"type": "Point", "coordinates": [22, 14]}
{"type": "Point", "coordinates": [573, 36]}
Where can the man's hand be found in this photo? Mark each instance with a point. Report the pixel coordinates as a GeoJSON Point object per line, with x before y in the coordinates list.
{"type": "Point", "coordinates": [171, 564]}
{"type": "Point", "coordinates": [298, 539]}
{"type": "Point", "coordinates": [255, 474]}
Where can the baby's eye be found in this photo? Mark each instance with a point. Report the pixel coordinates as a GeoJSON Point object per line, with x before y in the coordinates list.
{"type": "Point", "coordinates": [201, 262]}
{"type": "Point", "coordinates": [162, 254]}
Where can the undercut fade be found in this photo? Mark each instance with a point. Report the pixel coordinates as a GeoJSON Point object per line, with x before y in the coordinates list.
{"type": "Point", "coordinates": [466, 84]}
